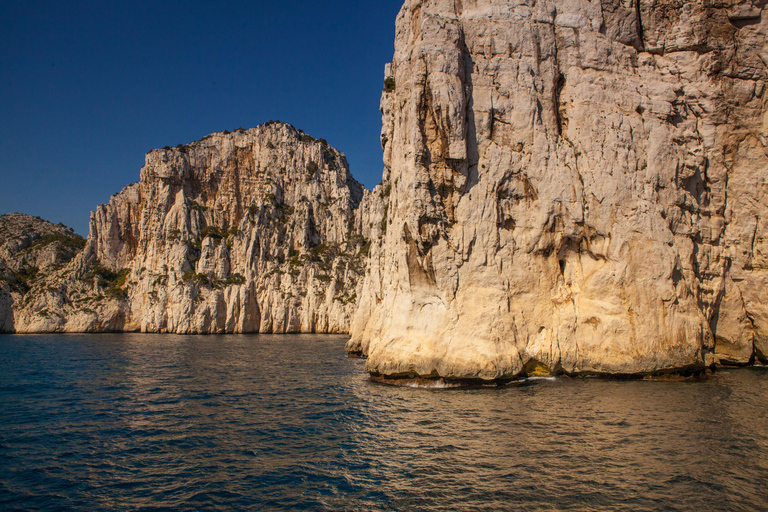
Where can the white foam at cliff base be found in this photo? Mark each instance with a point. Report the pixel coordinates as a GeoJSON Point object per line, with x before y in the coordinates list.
{"type": "Point", "coordinates": [438, 384]}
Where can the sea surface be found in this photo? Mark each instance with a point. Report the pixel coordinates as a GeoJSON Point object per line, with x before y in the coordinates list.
{"type": "Point", "coordinates": [152, 422]}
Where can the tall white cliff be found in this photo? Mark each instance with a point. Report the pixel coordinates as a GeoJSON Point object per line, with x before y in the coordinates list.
{"type": "Point", "coordinates": [572, 185]}
{"type": "Point", "coordinates": [249, 231]}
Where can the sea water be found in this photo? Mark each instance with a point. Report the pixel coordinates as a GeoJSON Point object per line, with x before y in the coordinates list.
{"type": "Point", "coordinates": [255, 422]}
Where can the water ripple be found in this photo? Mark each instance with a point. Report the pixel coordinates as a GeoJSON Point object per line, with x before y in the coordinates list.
{"type": "Point", "coordinates": [146, 422]}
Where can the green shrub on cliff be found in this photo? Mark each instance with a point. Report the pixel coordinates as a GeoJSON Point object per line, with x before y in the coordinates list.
{"type": "Point", "coordinates": [235, 279]}
{"type": "Point", "coordinates": [109, 279]}
{"type": "Point", "coordinates": [199, 278]}
{"type": "Point", "coordinates": [22, 280]}
{"type": "Point", "coordinates": [73, 242]}
{"type": "Point", "coordinates": [214, 232]}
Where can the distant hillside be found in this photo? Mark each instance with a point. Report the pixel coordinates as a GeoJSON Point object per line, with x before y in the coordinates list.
{"type": "Point", "coordinates": [30, 248]}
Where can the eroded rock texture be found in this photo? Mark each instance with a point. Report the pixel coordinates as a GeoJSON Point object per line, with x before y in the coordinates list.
{"type": "Point", "coordinates": [249, 231]}
{"type": "Point", "coordinates": [575, 185]}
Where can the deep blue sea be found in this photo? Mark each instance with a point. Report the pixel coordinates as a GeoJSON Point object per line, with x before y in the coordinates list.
{"type": "Point", "coordinates": [153, 422]}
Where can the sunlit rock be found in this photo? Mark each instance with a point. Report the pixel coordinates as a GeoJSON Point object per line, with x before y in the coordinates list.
{"type": "Point", "coordinates": [581, 184]}
{"type": "Point", "coordinates": [249, 231]}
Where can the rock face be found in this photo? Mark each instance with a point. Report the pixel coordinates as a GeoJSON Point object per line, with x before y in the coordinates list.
{"type": "Point", "coordinates": [574, 186]}
{"type": "Point", "coordinates": [31, 249]}
{"type": "Point", "coordinates": [249, 231]}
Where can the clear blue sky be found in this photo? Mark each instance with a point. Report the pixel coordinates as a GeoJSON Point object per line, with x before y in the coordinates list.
{"type": "Point", "coordinates": [88, 87]}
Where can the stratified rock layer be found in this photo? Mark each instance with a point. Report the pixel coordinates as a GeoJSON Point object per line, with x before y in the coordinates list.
{"type": "Point", "coordinates": [249, 231]}
{"type": "Point", "coordinates": [573, 186]}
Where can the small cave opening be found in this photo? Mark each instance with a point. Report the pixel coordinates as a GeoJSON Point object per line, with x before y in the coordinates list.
{"type": "Point", "coordinates": [746, 21]}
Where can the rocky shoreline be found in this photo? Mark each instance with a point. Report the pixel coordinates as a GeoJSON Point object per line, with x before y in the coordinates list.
{"type": "Point", "coordinates": [250, 231]}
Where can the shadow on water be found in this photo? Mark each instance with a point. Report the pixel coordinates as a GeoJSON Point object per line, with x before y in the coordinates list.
{"type": "Point", "coordinates": [287, 422]}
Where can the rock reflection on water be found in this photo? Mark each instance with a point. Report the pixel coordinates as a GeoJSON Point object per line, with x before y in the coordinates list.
{"type": "Point", "coordinates": [287, 422]}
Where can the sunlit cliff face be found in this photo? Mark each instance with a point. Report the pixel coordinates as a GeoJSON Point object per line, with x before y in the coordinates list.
{"type": "Point", "coordinates": [250, 231]}
{"type": "Point", "coordinates": [575, 185]}
{"type": "Point", "coordinates": [569, 187]}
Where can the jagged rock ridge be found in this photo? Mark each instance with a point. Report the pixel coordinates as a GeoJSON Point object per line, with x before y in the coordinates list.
{"type": "Point", "coordinates": [249, 231]}
{"type": "Point", "coordinates": [576, 186]}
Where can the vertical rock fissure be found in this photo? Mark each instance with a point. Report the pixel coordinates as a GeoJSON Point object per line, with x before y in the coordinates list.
{"type": "Point", "coordinates": [640, 35]}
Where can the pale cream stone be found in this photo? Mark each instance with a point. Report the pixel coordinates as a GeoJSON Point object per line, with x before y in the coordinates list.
{"type": "Point", "coordinates": [575, 184]}
{"type": "Point", "coordinates": [239, 232]}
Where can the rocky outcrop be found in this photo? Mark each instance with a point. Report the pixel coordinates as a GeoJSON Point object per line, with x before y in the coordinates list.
{"type": "Point", "coordinates": [572, 186]}
{"type": "Point", "coordinates": [31, 249]}
{"type": "Point", "coordinates": [249, 231]}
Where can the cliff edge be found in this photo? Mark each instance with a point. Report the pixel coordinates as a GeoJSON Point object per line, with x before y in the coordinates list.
{"type": "Point", "coordinates": [569, 187]}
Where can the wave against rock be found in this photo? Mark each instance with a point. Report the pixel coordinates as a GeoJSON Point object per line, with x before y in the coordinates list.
{"type": "Point", "coordinates": [249, 231]}
{"type": "Point", "coordinates": [574, 186]}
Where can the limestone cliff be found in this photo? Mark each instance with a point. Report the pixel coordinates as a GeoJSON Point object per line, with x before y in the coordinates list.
{"type": "Point", "coordinates": [249, 231]}
{"type": "Point", "coordinates": [31, 249]}
{"type": "Point", "coordinates": [574, 186]}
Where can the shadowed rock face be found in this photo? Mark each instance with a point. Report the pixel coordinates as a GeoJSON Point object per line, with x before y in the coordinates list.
{"type": "Point", "coordinates": [577, 186]}
{"type": "Point", "coordinates": [250, 231]}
